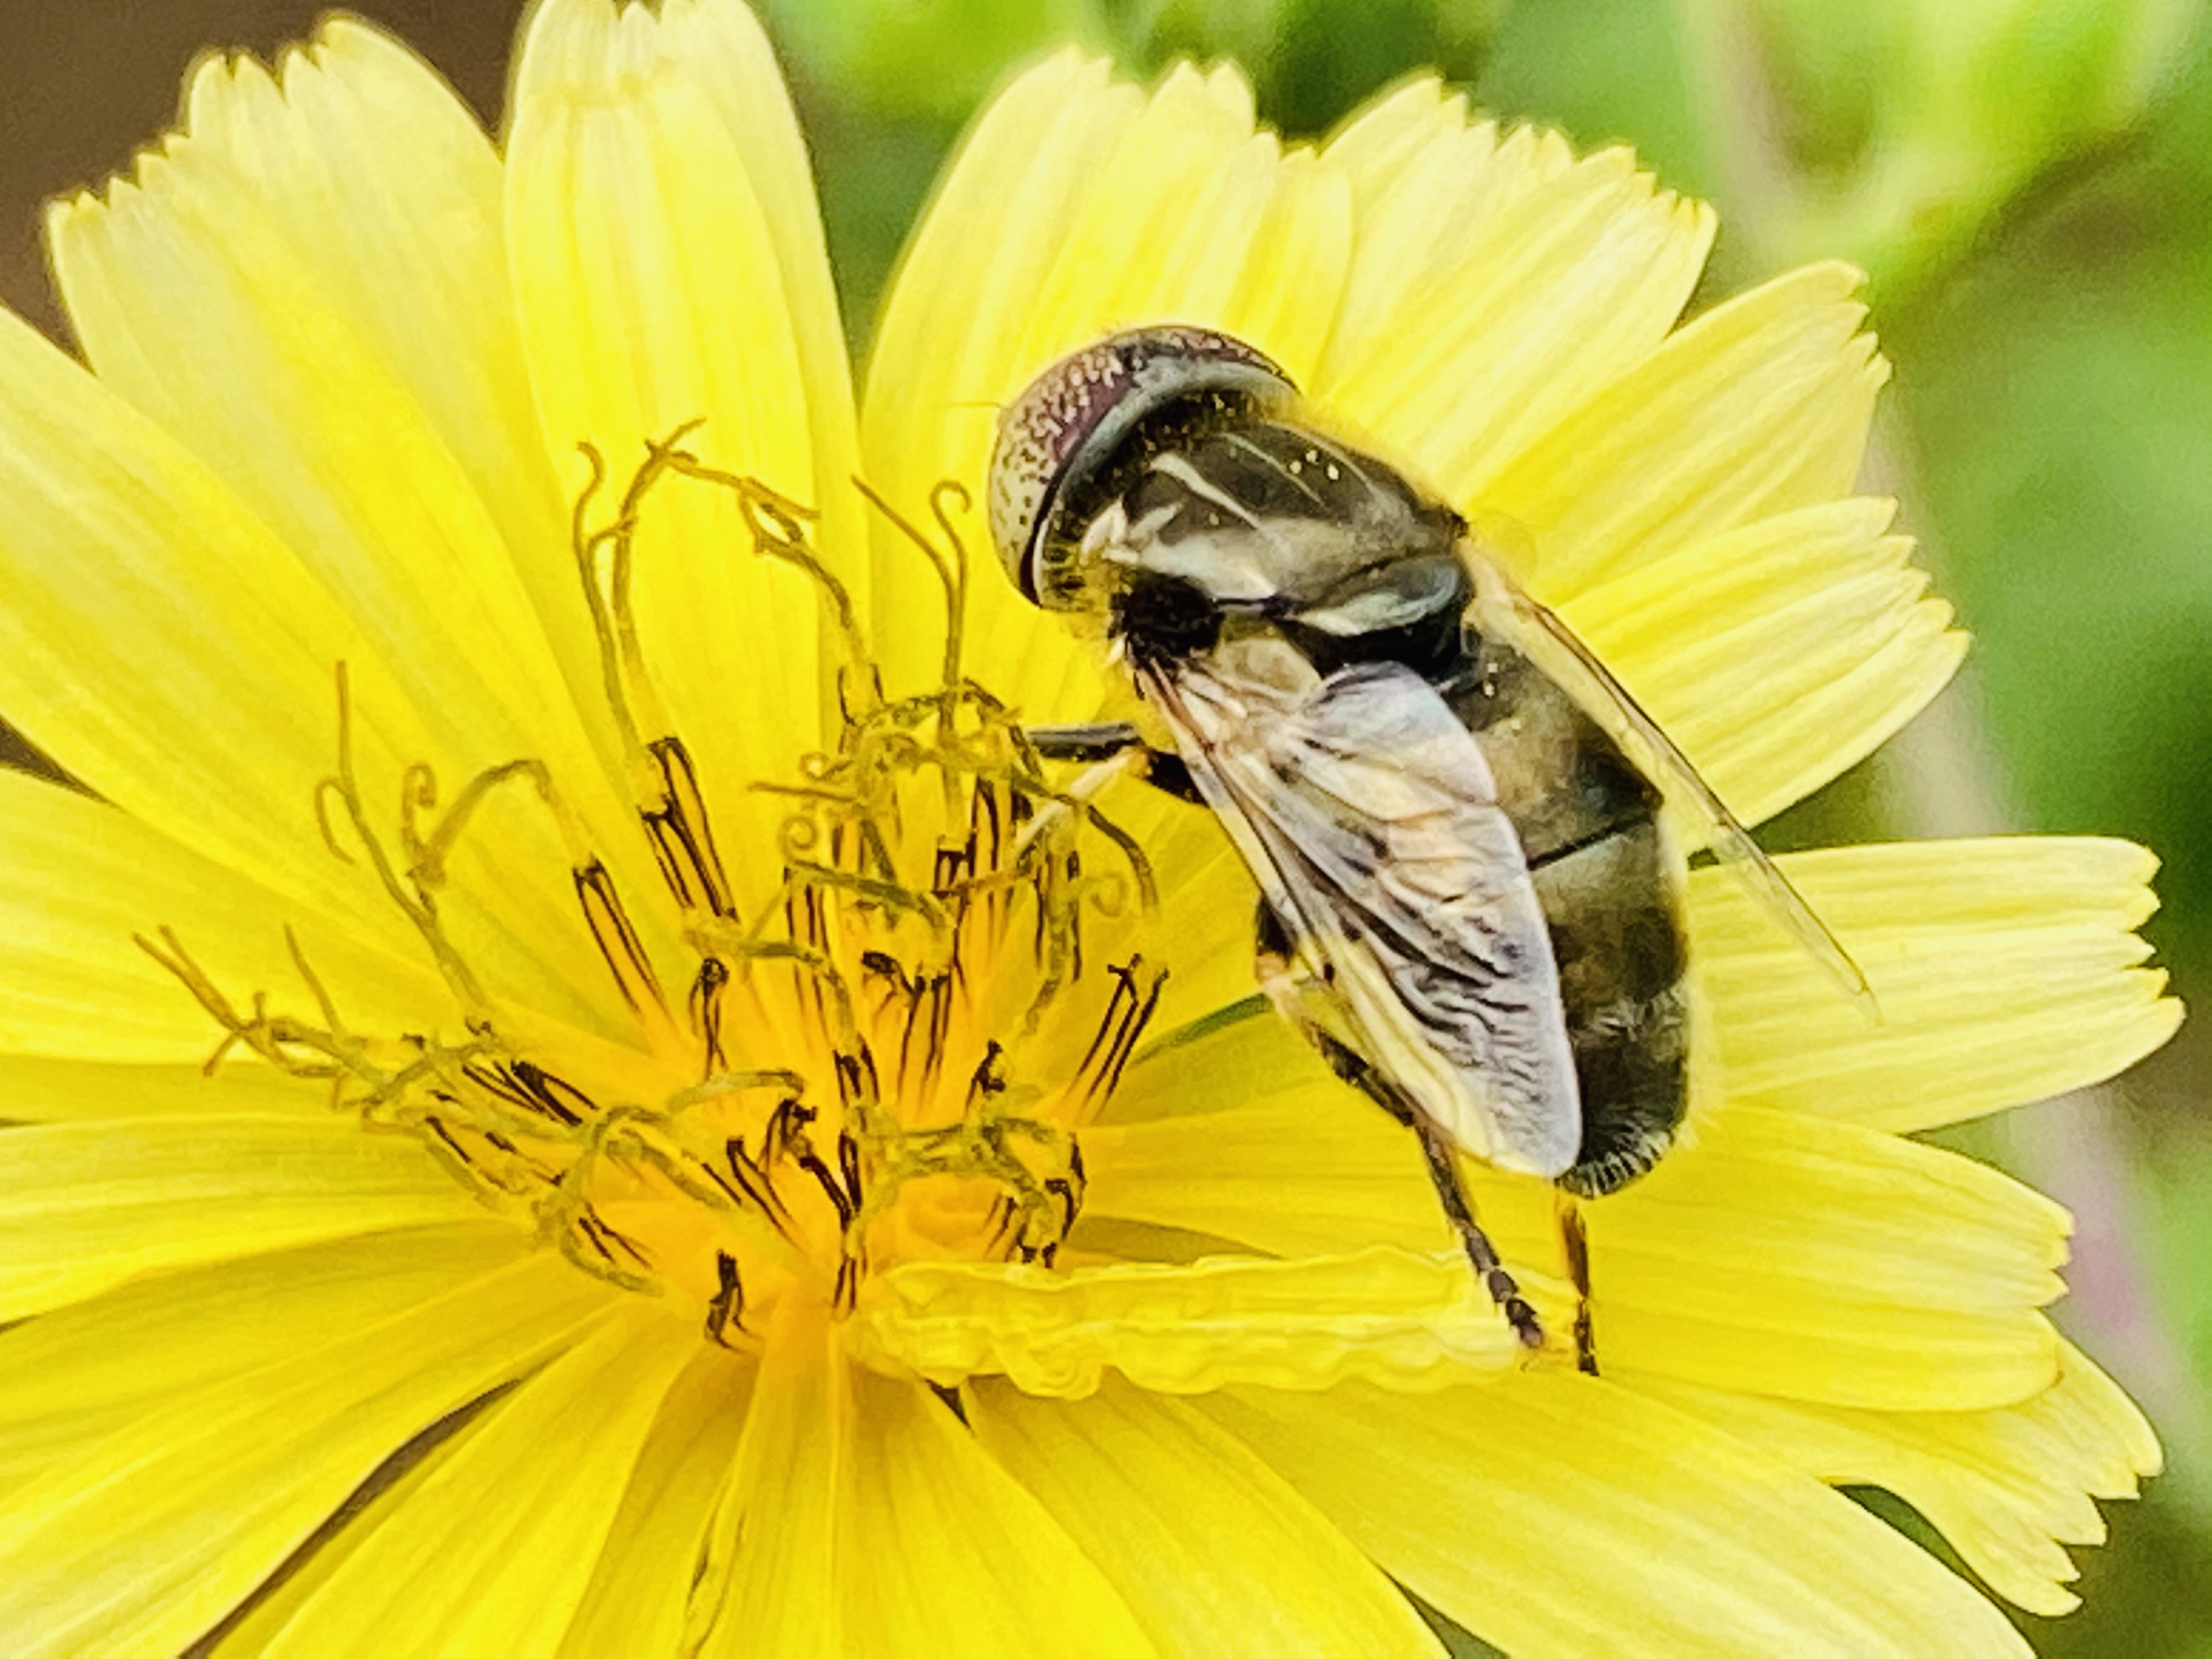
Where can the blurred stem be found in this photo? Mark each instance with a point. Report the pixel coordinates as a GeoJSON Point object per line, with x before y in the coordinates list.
{"type": "Point", "coordinates": [1942, 777]}
{"type": "Point", "coordinates": [1735, 98]}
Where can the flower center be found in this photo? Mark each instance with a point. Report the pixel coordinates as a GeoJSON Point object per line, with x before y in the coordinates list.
{"type": "Point", "coordinates": [888, 1060]}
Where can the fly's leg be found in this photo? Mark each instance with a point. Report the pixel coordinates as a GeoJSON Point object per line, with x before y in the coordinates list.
{"type": "Point", "coordinates": [1574, 1239]}
{"type": "Point", "coordinates": [1481, 1255]}
{"type": "Point", "coordinates": [1160, 767]}
{"type": "Point", "coordinates": [1099, 742]}
{"type": "Point", "coordinates": [1443, 1171]}
{"type": "Point", "coordinates": [1275, 950]}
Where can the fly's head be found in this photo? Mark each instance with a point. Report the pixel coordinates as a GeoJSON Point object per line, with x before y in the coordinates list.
{"type": "Point", "coordinates": [1082, 432]}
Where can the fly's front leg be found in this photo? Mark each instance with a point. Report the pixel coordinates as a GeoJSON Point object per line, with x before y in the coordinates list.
{"type": "Point", "coordinates": [1160, 767]}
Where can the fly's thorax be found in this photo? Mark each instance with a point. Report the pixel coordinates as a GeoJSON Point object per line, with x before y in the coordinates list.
{"type": "Point", "coordinates": [1269, 516]}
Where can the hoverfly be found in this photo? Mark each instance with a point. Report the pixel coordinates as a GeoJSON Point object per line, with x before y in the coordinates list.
{"type": "Point", "coordinates": [1468, 899]}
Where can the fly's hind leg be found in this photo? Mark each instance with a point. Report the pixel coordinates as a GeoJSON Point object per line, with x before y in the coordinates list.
{"type": "Point", "coordinates": [1160, 767]}
{"type": "Point", "coordinates": [1443, 1171]}
{"type": "Point", "coordinates": [1275, 951]}
{"type": "Point", "coordinates": [1481, 1255]}
{"type": "Point", "coordinates": [1574, 1240]}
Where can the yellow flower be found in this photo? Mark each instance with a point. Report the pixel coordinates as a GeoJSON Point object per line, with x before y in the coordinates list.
{"type": "Point", "coordinates": [735, 1309]}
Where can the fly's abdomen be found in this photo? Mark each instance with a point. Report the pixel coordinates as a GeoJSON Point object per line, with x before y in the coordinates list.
{"type": "Point", "coordinates": [1617, 934]}
{"type": "Point", "coordinates": [1588, 827]}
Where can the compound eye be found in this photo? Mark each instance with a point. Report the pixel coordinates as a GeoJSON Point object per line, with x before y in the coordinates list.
{"type": "Point", "coordinates": [1073, 419]}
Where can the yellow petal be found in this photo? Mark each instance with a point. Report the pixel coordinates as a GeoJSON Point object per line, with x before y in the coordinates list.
{"type": "Point", "coordinates": [1214, 1553]}
{"type": "Point", "coordinates": [110, 517]}
{"type": "Point", "coordinates": [1773, 1252]}
{"type": "Point", "coordinates": [85, 1207]}
{"type": "Point", "coordinates": [642, 1587]}
{"type": "Point", "coordinates": [1387, 1315]}
{"type": "Point", "coordinates": [945, 355]}
{"type": "Point", "coordinates": [719, 46]}
{"type": "Point", "coordinates": [248, 1629]}
{"type": "Point", "coordinates": [1297, 264]}
{"type": "Point", "coordinates": [93, 1027]}
{"type": "Point", "coordinates": [2006, 1488]}
{"type": "Point", "coordinates": [86, 878]}
{"type": "Point", "coordinates": [1498, 285]}
{"type": "Point", "coordinates": [1201, 930]}
{"type": "Point", "coordinates": [767, 1580]}
{"type": "Point", "coordinates": [1410, 151]}
{"type": "Point", "coordinates": [1818, 1260]}
{"type": "Point", "coordinates": [941, 1552]}
{"type": "Point", "coordinates": [35, 1089]}
{"type": "Point", "coordinates": [1239, 1054]}
{"type": "Point", "coordinates": [1779, 655]}
{"type": "Point", "coordinates": [308, 289]}
{"type": "Point", "coordinates": [1194, 172]}
{"type": "Point", "coordinates": [1382, 139]}
{"type": "Point", "coordinates": [82, 1373]}
{"type": "Point", "coordinates": [1246, 1134]}
{"type": "Point", "coordinates": [493, 1552]}
{"type": "Point", "coordinates": [151, 1537]}
{"type": "Point", "coordinates": [162, 644]}
{"type": "Point", "coordinates": [1559, 1515]}
{"type": "Point", "coordinates": [655, 289]}
{"type": "Point", "coordinates": [2006, 970]}
{"type": "Point", "coordinates": [1759, 407]}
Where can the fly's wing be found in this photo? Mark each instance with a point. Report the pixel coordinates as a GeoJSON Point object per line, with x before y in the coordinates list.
{"type": "Point", "coordinates": [1501, 606]}
{"type": "Point", "coordinates": [1368, 813]}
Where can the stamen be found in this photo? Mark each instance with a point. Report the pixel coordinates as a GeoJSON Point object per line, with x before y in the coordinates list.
{"type": "Point", "coordinates": [951, 571]}
{"type": "Point", "coordinates": [682, 837]}
{"type": "Point", "coordinates": [668, 799]}
{"type": "Point", "coordinates": [413, 897]}
{"type": "Point", "coordinates": [1120, 1028]}
{"type": "Point", "coordinates": [779, 528]}
{"type": "Point", "coordinates": [847, 1018]}
{"type": "Point", "coordinates": [533, 1088]}
{"type": "Point", "coordinates": [426, 856]}
{"type": "Point", "coordinates": [617, 941]}
{"type": "Point", "coordinates": [707, 991]}
{"type": "Point", "coordinates": [727, 1310]}
{"type": "Point", "coordinates": [752, 1177]}
{"type": "Point", "coordinates": [985, 1081]}
{"type": "Point", "coordinates": [606, 594]}
{"type": "Point", "coordinates": [839, 1198]}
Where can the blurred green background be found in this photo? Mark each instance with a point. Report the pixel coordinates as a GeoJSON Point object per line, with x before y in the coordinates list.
{"type": "Point", "coordinates": [2028, 184]}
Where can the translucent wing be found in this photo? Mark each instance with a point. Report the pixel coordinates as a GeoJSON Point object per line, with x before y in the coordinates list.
{"type": "Point", "coordinates": [1368, 813]}
{"type": "Point", "coordinates": [1500, 605]}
